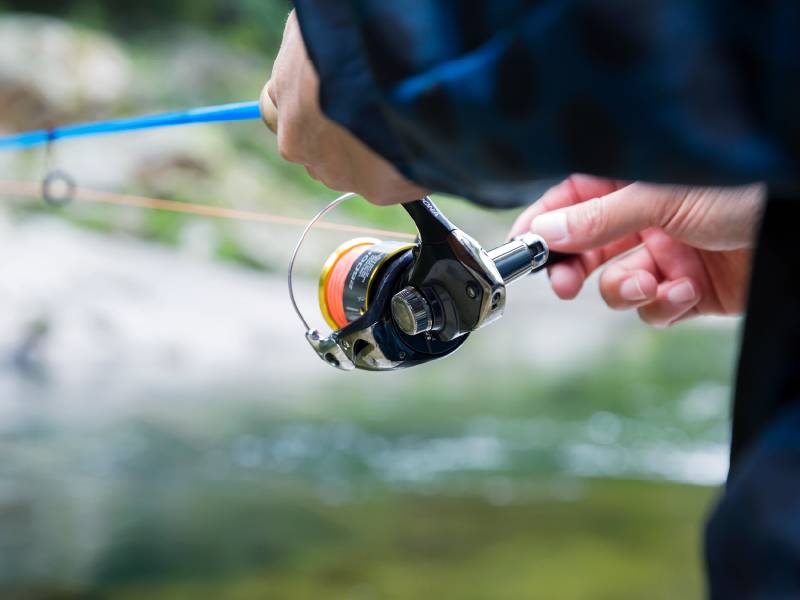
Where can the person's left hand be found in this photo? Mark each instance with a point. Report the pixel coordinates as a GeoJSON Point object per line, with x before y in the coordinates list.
{"type": "Point", "coordinates": [672, 252]}
{"type": "Point", "coordinates": [305, 136]}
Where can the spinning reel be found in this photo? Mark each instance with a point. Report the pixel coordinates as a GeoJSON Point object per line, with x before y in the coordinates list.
{"type": "Point", "coordinates": [393, 305]}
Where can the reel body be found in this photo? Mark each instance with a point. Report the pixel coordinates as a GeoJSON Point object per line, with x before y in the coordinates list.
{"type": "Point", "coordinates": [394, 305]}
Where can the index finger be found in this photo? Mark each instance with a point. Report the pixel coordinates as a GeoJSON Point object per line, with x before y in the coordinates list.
{"type": "Point", "coordinates": [574, 189]}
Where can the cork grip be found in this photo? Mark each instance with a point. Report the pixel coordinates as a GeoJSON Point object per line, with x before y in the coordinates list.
{"type": "Point", "coordinates": [269, 113]}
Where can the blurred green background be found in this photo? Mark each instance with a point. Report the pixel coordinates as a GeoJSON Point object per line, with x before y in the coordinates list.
{"type": "Point", "coordinates": [166, 433]}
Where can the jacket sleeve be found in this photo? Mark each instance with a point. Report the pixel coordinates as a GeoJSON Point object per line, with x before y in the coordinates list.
{"type": "Point", "coordinates": [485, 98]}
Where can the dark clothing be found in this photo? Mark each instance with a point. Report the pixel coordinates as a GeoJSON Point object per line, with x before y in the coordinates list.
{"type": "Point", "coordinates": [486, 98]}
{"type": "Point", "coordinates": [769, 364]}
{"type": "Point", "coordinates": [480, 98]}
{"type": "Point", "coordinates": [753, 537]}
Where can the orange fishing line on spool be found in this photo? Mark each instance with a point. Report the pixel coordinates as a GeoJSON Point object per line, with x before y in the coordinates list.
{"type": "Point", "coordinates": [334, 278]}
{"type": "Point", "coordinates": [345, 284]}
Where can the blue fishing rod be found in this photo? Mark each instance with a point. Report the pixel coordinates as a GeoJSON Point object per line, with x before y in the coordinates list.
{"type": "Point", "coordinates": [58, 186]}
{"type": "Point", "coordinates": [240, 111]}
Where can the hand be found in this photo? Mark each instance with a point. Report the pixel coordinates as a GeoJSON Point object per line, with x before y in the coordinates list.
{"type": "Point", "coordinates": [305, 136]}
{"type": "Point", "coordinates": [672, 252]}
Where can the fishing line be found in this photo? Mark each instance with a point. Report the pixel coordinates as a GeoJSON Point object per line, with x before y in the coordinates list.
{"type": "Point", "coordinates": [28, 189]}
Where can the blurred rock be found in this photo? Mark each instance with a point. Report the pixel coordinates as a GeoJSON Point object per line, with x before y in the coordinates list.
{"type": "Point", "coordinates": [87, 316]}
{"type": "Point", "coordinates": [203, 69]}
{"type": "Point", "coordinates": [50, 71]}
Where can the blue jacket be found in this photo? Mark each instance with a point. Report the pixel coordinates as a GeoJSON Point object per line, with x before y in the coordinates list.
{"type": "Point", "coordinates": [483, 98]}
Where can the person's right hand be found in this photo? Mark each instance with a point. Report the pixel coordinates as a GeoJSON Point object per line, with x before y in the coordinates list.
{"type": "Point", "coordinates": [686, 251]}
{"type": "Point", "coordinates": [330, 153]}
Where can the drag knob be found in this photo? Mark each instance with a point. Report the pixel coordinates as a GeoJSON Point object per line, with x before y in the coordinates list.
{"type": "Point", "coordinates": [411, 312]}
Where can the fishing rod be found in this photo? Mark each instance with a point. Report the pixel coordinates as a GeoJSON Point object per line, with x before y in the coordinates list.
{"type": "Point", "coordinates": [390, 304]}
{"type": "Point", "coordinates": [239, 111]}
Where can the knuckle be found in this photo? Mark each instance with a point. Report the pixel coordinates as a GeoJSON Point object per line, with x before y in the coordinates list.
{"type": "Point", "coordinates": [286, 153]}
{"type": "Point", "coordinates": [378, 200]}
{"type": "Point", "coordinates": [614, 302]}
{"type": "Point", "coordinates": [388, 199]}
{"type": "Point", "coordinates": [669, 209]}
{"type": "Point", "coordinates": [288, 149]}
{"type": "Point", "coordinates": [608, 294]}
{"type": "Point", "coordinates": [384, 194]}
{"type": "Point", "coordinates": [334, 180]}
{"type": "Point", "coordinates": [593, 218]}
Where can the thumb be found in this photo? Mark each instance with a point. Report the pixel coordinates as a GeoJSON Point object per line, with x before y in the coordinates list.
{"type": "Point", "coordinates": [600, 221]}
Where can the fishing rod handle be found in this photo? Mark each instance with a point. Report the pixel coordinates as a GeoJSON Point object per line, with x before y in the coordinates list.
{"type": "Point", "coordinates": [269, 112]}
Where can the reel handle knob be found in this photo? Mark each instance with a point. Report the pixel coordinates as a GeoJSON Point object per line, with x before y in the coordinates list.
{"type": "Point", "coordinates": [411, 312]}
{"type": "Point", "coordinates": [525, 254]}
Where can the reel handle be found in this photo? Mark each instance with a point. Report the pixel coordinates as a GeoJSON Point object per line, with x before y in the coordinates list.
{"type": "Point", "coordinates": [523, 255]}
{"type": "Point", "coordinates": [557, 257]}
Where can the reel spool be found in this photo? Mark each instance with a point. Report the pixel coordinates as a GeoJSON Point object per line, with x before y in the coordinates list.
{"type": "Point", "coordinates": [348, 276]}
{"type": "Point", "coordinates": [394, 305]}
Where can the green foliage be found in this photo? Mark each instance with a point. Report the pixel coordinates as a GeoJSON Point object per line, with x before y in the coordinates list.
{"type": "Point", "coordinates": [164, 227]}
{"type": "Point", "coordinates": [228, 249]}
{"type": "Point", "coordinates": [250, 23]}
{"type": "Point", "coordinates": [614, 541]}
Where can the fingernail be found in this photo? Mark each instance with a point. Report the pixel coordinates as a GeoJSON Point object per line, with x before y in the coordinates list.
{"type": "Point", "coordinates": [683, 293]}
{"type": "Point", "coordinates": [551, 226]}
{"type": "Point", "coordinates": [631, 290]}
